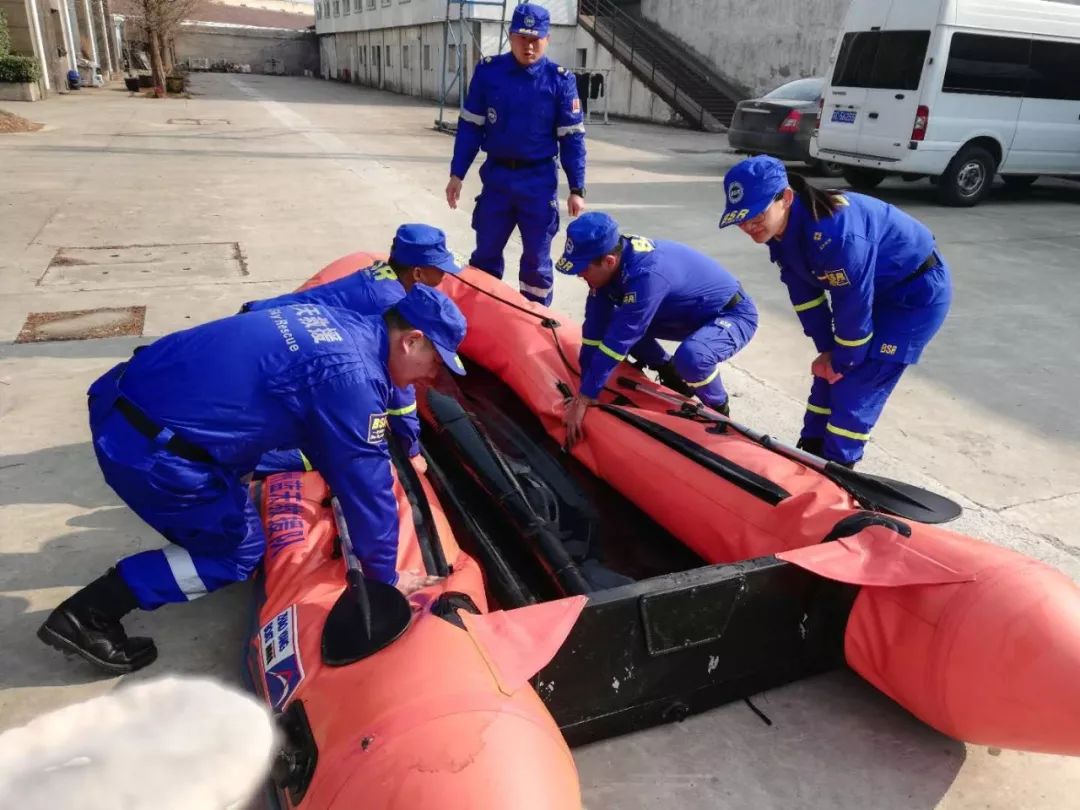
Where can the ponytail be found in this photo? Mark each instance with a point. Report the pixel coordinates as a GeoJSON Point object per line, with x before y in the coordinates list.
{"type": "Point", "coordinates": [820, 203]}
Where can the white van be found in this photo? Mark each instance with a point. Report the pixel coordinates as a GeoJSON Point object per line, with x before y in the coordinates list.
{"type": "Point", "coordinates": [954, 90]}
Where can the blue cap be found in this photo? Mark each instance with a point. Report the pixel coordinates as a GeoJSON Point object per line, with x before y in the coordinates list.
{"type": "Point", "coordinates": [439, 319]}
{"type": "Point", "coordinates": [531, 20]}
{"type": "Point", "coordinates": [750, 187]}
{"type": "Point", "coordinates": [423, 246]}
{"type": "Point", "coordinates": [588, 237]}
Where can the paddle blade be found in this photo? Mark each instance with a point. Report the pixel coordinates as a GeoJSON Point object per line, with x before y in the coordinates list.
{"type": "Point", "coordinates": [344, 640]}
{"type": "Point", "coordinates": [895, 497]}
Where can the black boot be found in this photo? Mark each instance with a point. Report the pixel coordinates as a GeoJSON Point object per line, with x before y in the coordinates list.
{"type": "Point", "coordinates": [88, 624]}
{"type": "Point", "coordinates": [670, 377]}
{"type": "Point", "coordinates": [814, 445]}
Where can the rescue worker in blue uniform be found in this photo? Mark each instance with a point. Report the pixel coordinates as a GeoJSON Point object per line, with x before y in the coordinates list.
{"type": "Point", "coordinates": [522, 109]}
{"type": "Point", "coordinates": [179, 427]}
{"type": "Point", "coordinates": [418, 255]}
{"type": "Point", "coordinates": [644, 290]}
{"type": "Point", "coordinates": [867, 282]}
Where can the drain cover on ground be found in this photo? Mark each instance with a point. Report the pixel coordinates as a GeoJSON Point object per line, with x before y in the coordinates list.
{"type": "Point", "coordinates": [144, 265]}
{"type": "Point", "coordinates": [82, 324]}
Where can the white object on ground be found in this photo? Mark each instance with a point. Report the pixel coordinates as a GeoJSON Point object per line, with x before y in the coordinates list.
{"type": "Point", "coordinates": [169, 744]}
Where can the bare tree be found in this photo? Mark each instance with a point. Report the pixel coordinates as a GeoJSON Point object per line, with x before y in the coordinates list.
{"type": "Point", "coordinates": [162, 18]}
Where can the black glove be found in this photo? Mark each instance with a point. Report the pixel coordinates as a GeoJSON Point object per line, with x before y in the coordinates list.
{"type": "Point", "coordinates": [670, 377]}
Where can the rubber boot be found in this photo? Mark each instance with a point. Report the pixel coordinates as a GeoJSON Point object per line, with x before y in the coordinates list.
{"type": "Point", "coordinates": [88, 624]}
{"type": "Point", "coordinates": [812, 444]}
{"type": "Point", "coordinates": [670, 377]}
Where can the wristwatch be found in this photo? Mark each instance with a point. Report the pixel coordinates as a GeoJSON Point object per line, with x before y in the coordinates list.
{"type": "Point", "coordinates": [580, 192]}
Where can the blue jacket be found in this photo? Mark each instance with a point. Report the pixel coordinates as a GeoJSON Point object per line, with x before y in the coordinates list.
{"type": "Point", "coordinates": [663, 290]}
{"type": "Point", "coordinates": [521, 113]}
{"type": "Point", "coordinates": [840, 269]}
{"type": "Point", "coordinates": [368, 291]}
{"type": "Point", "coordinates": [300, 376]}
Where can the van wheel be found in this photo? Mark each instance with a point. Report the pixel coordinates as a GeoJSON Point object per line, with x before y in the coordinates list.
{"type": "Point", "coordinates": [863, 179]}
{"type": "Point", "coordinates": [1018, 182]}
{"type": "Point", "coordinates": [966, 180]}
{"type": "Point", "coordinates": [825, 168]}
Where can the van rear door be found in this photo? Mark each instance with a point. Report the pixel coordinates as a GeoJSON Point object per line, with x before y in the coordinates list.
{"type": "Point", "coordinates": [892, 96]}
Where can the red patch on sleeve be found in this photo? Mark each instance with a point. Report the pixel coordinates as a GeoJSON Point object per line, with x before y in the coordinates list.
{"type": "Point", "coordinates": [575, 107]}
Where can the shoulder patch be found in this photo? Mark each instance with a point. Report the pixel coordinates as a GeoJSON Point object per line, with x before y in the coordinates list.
{"type": "Point", "coordinates": [487, 60]}
{"type": "Point", "coordinates": [560, 68]}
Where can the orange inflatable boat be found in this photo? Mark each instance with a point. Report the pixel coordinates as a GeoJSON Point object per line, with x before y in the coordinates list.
{"type": "Point", "coordinates": [731, 560]}
{"type": "Point", "coordinates": [439, 713]}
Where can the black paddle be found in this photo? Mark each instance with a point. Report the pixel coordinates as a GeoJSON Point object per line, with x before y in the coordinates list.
{"type": "Point", "coordinates": [872, 491]}
{"type": "Point", "coordinates": [368, 615]}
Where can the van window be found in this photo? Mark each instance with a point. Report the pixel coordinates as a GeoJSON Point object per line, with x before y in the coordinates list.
{"type": "Point", "coordinates": [989, 66]}
{"type": "Point", "coordinates": [1055, 71]}
{"type": "Point", "coordinates": [890, 60]}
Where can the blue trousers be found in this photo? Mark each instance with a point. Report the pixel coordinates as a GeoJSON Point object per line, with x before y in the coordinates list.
{"type": "Point", "coordinates": [526, 199]}
{"type": "Point", "coordinates": [203, 510]}
{"type": "Point", "coordinates": [698, 358]}
{"type": "Point", "coordinates": [845, 412]}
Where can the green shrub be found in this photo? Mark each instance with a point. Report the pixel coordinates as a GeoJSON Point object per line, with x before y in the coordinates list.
{"type": "Point", "coordinates": [5, 37]}
{"type": "Point", "coordinates": [19, 69]}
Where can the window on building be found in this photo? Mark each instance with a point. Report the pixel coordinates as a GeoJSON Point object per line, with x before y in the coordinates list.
{"type": "Point", "coordinates": [582, 56]}
{"type": "Point", "coordinates": [370, 4]}
{"type": "Point", "coordinates": [337, 8]}
{"type": "Point", "coordinates": [405, 57]}
{"type": "Point", "coordinates": [451, 58]}
{"type": "Point", "coordinates": [358, 5]}
{"type": "Point", "coordinates": [388, 63]}
{"type": "Point", "coordinates": [348, 7]}
{"type": "Point", "coordinates": [387, 2]}
{"type": "Point", "coordinates": [363, 54]}
{"type": "Point", "coordinates": [427, 57]}
{"type": "Point", "coordinates": [318, 11]}
{"type": "Point", "coordinates": [326, 8]}
{"type": "Point", "coordinates": [890, 60]}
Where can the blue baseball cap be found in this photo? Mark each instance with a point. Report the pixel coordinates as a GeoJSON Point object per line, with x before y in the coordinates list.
{"type": "Point", "coordinates": [750, 187]}
{"type": "Point", "coordinates": [439, 319]}
{"type": "Point", "coordinates": [423, 246]}
{"type": "Point", "coordinates": [531, 20]}
{"type": "Point", "coordinates": [588, 237]}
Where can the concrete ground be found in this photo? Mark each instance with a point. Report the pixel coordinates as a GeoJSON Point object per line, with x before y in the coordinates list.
{"type": "Point", "coordinates": [297, 172]}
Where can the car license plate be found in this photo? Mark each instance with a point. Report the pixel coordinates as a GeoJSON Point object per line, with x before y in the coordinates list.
{"type": "Point", "coordinates": [844, 116]}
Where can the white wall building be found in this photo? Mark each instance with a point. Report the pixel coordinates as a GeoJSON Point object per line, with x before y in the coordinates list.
{"type": "Point", "coordinates": [400, 45]}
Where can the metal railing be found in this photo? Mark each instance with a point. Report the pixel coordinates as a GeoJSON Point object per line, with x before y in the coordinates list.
{"type": "Point", "coordinates": [637, 46]}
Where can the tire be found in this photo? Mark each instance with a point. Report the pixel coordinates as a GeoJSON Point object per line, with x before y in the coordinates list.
{"type": "Point", "coordinates": [1019, 182]}
{"type": "Point", "coordinates": [824, 168]}
{"type": "Point", "coordinates": [967, 179]}
{"type": "Point", "coordinates": [863, 179]}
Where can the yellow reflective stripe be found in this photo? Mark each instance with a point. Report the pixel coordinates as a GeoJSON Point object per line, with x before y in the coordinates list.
{"type": "Point", "coordinates": [401, 411]}
{"type": "Point", "coordinates": [810, 304]}
{"type": "Point", "coordinates": [707, 380]}
{"type": "Point", "coordinates": [588, 342]}
{"type": "Point", "coordinates": [850, 434]}
{"type": "Point", "coordinates": [307, 464]}
{"type": "Point", "coordinates": [859, 342]}
{"type": "Point", "coordinates": [610, 353]}
{"type": "Point", "coordinates": [818, 409]}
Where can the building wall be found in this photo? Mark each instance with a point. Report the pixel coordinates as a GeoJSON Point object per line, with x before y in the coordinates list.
{"type": "Point", "coordinates": [626, 96]}
{"type": "Point", "coordinates": [290, 6]}
{"type": "Point", "coordinates": [338, 16]}
{"type": "Point", "coordinates": [18, 17]}
{"type": "Point", "coordinates": [761, 44]}
{"type": "Point", "coordinates": [297, 50]}
{"type": "Point", "coordinates": [349, 56]}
